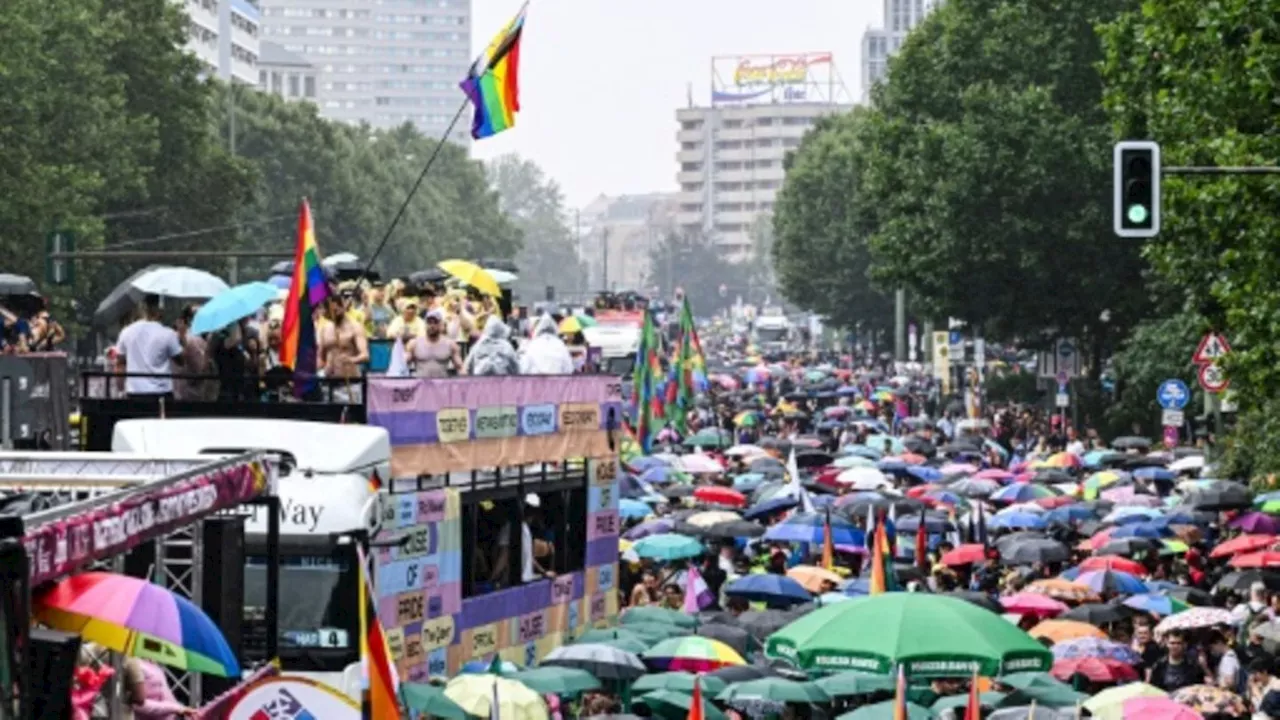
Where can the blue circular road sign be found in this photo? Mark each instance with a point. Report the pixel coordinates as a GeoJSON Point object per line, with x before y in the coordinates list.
{"type": "Point", "coordinates": [1173, 394]}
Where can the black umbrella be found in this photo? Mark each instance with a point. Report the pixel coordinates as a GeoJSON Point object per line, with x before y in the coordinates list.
{"type": "Point", "coordinates": [743, 673]}
{"type": "Point", "coordinates": [919, 445]}
{"type": "Point", "coordinates": [812, 459]}
{"type": "Point", "coordinates": [11, 284]}
{"type": "Point", "coordinates": [980, 599]}
{"type": "Point", "coordinates": [763, 623]}
{"type": "Point", "coordinates": [934, 523]}
{"type": "Point", "coordinates": [1041, 550]}
{"type": "Point", "coordinates": [735, 637]}
{"type": "Point", "coordinates": [1098, 613]}
{"type": "Point", "coordinates": [730, 530]}
{"type": "Point", "coordinates": [959, 446]}
{"type": "Point", "coordinates": [1128, 547]}
{"type": "Point", "coordinates": [901, 505]}
{"type": "Point", "coordinates": [1222, 495]}
{"type": "Point", "coordinates": [1192, 596]}
{"type": "Point", "coordinates": [604, 661]}
{"type": "Point", "coordinates": [677, 491]}
{"type": "Point", "coordinates": [1052, 476]}
{"type": "Point", "coordinates": [1241, 580]}
{"type": "Point", "coordinates": [1006, 542]}
{"type": "Point", "coordinates": [718, 617]}
{"type": "Point", "coordinates": [427, 277]}
{"type": "Point", "coordinates": [1131, 442]}
{"type": "Point", "coordinates": [122, 299]}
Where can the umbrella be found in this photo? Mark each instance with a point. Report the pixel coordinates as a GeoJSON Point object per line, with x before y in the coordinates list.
{"type": "Point", "coordinates": [716, 495]}
{"type": "Point", "coordinates": [1031, 712]}
{"type": "Point", "coordinates": [651, 527]}
{"type": "Point", "coordinates": [1243, 543]}
{"type": "Point", "coordinates": [965, 555]}
{"type": "Point", "coordinates": [855, 683]}
{"type": "Point", "coordinates": [11, 284]}
{"type": "Point", "coordinates": [430, 700]}
{"type": "Point", "coordinates": [768, 588]}
{"type": "Point", "coordinates": [231, 305]}
{"type": "Point", "coordinates": [732, 635]}
{"type": "Point", "coordinates": [679, 681]}
{"type": "Point", "coordinates": [763, 623]}
{"type": "Point", "coordinates": [1157, 603]}
{"type": "Point", "coordinates": [1157, 708]}
{"type": "Point", "coordinates": [480, 667]}
{"type": "Point", "coordinates": [1097, 647]}
{"type": "Point", "coordinates": [774, 689]}
{"type": "Point", "coordinates": [1033, 604]}
{"type": "Point", "coordinates": [667, 546]}
{"type": "Point", "coordinates": [698, 463]}
{"type": "Point", "coordinates": [1127, 546]}
{"type": "Point", "coordinates": [1198, 617]}
{"type": "Point", "coordinates": [1210, 700]}
{"type": "Point", "coordinates": [1109, 704]}
{"type": "Point", "coordinates": [954, 703]}
{"type": "Point", "coordinates": [887, 709]}
{"type": "Point", "coordinates": [1034, 550]}
{"type": "Point", "coordinates": [732, 529]}
{"type": "Point", "coordinates": [557, 680]}
{"type": "Point", "coordinates": [1111, 581]}
{"type": "Point", "coordinates": [1241, 580]}
{"type": "Point", "coordinates": [179, 282]}
{"type": "Point", "coordinates": [813, 578]}
{"type": "Point", "coordinates": [1105, 562]}
{"type": "Point", "coordinates": [692, 653]}
{"type": "Point", "coordinates": [671, 704]}
{"type": "Point", "coordinates": [633, 509]}
{"type": "Point", "coordinates": [742, 673]}
{"type": "Point", "coordinates": [1063, 630]}
{"type": "Point", "coordinates": [647, 614]}
{"type": "Point", "coordinates": [1043, 688]}
{"type": "Point", "coordinates": [810, 528]}
{"type": "Point", "coordinates": [475, 695]}
{"type": "Point", "coordinates": [1220, 496]}
{"type": "Point", "coordinates": [933, 635]}
{"type": "Point", "coordinates": [602, 661]}
{"type": "Point", "coordinates": [1100, 670]}
{"type": "Point", "coordinates": [138, 618]}
{"type": "Point", "coordinates": [1097, 613]}
{"type": "Point", "coordinates": [468, 273]}
{"type": "Point", "coordinates": [981, 599]}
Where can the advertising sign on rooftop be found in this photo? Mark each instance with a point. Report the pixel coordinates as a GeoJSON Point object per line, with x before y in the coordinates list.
{"type": "Point", "coordinates": [798, 78]}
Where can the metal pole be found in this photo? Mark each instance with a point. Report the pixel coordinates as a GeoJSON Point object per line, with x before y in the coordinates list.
{"type": "Point", "coordinates": [416, 184]}
{"type": "Point", "coordinates": [604, 242]}
{"type": "Point", "coordinates": [231, 117]}
{"type": "Point", "coordinates": [1230, 170]}
{"type": "Point", "coordinates": [272, 615]}
{"type": "Point", "coordinates": [900, 325]}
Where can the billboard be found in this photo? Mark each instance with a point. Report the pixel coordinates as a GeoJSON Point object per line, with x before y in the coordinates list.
{"type": "Point", "coordinates": [797, 77]}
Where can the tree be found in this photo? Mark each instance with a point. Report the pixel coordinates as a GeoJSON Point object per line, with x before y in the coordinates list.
{"type": "Point", "coordinates": [1200, 78]}
{"type": "Point", "coordinates": [1155, 351]}
{"type": "Point", "coordinates": [987, 176]}
{"type": "Point", "coordinates": [695, 265]}
{"type": "Point", "coordinates": [535, 205]}
{"type": "Point", "coordinates": [821, 225]}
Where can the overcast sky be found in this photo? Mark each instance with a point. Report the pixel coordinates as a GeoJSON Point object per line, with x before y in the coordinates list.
{"type": "Point", "coordinates": [600, 80]}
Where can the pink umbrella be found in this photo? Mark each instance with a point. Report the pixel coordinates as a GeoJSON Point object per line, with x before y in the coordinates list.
{"type": "Point", "coordinates": [958, 469]}
{"type": "Point", "coordinates": [1259, 523]}
{"type": "Point", "coordinates": [1158, 708]}
{"type": "Point", "coordinates": [1041, 606]}
{"type": "Point", "coordinates": [994, 474]}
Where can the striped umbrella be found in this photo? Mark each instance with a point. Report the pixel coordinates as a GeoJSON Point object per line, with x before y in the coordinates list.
{"type": "Point", "coordinates": [693, 654]}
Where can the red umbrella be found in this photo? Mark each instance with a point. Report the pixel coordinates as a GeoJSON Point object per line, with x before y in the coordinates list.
{"type": "Point", "coordinates": [1113, 562]}
{"type": "Point", "coordinates": [717, 495]}
{"type": "Point", "coordinates": [1244, 543]}
{"type": "Point", "coordinates": [1042, 606]}
{"type": "Point", "coordinates": [1266, 558]}
{"type": "Point", "coordinates": [1057, 501]}
{"type": "Point", "coordinates": [1101, 670]}
{"type": "Point", "coordinates": [965, 555]}
{"type": "Point", "coordinates": [919, 490]}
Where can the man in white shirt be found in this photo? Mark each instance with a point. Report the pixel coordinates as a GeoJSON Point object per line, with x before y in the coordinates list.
{"type": "Point", "coordinates": [148, 348]}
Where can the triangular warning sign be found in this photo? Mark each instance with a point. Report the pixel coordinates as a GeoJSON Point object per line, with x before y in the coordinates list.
{"type": "Point", "coordinates": [1213, 347]}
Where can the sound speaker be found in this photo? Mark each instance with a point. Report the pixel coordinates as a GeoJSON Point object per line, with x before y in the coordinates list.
{"type": "Point", "coordinates": [222, 592]}
{"type": "Point", "coordinates": [53, 663]}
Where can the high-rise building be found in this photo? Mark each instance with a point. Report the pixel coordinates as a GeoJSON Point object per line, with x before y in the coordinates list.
{"type": "Point", "coordinates": [900, 16]}
{"type": "Point", "coordinates": [225, 34]}
{"type": "Point", "coordinates": [286, 74]}
{"type": "Point", "coordinates": [731, 152]}
{"type": "Point", "coordinates": [385, 63]}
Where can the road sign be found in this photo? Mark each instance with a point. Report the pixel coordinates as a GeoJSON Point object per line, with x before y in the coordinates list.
{"type": "Point", "coordinates": [1172, 417]}
{"type": "Point", "coordinates": [1212, 348]}
{"type": "Point", "coordinates": [59, 271]}
{"type": "Point", "coordinates": [1173, 394]}
{"type": "Point", "coordinates": [1063, 358]}
{"type": "Point", "coordinates": [1213, 379]}
{"type": "Point", "coordinates": [1062, 400]}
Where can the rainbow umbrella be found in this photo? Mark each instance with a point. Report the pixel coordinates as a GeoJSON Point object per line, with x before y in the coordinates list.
{"type": "Point", "coordinates": [576, 323]}
{"type": "Point", "coordinates": [138, 618]}
{"type": "Point", "coordinates": [692, 653]}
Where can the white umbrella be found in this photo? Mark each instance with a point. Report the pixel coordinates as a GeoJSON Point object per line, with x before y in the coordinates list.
{"type": "Point", "coordinates": [604, 661]}
{"type": "Point", "coordinates": [502, 277]}
{"type": "Point", "coordinates": [342, 257]}
{"type": "Point", "coordinates": [1190, 463]}
{"type": "Point", "coordinates": [179, 282]}
{"type": "Point", "coordinates": [864, 478]}
{"type": "Point", "coordinates": [699, 463]}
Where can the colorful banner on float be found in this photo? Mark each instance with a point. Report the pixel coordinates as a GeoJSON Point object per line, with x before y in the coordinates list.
{"type": "Point", "coordinates": [64, 546]}
{"type": "Point", "coordinates": [461, 424]}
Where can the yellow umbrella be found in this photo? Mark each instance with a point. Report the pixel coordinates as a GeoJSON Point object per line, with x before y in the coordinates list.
{"type": "Point", "coordinates": [475, 693]}
{"type": "Point", "coordinates": [472, 274]}
{"type": "Point", "coordinates": [1109, 704]}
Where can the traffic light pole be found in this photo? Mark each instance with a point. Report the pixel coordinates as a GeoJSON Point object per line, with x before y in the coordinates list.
{"type": "Point", "coordinates": [1230, 170]}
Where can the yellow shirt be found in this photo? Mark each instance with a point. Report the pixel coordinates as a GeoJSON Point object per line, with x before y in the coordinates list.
{"type": "Point", "coordinates": [396, 328]}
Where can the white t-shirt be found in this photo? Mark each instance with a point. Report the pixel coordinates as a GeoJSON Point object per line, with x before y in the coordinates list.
{"type": "Point", "coordinates": [148, 349]}
{"type": "Point", "coordinates": [526, 549]}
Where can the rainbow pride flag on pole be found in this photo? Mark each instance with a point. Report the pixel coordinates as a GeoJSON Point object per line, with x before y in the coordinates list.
{"type": "Point", "coordinates": [649, 412]}
{"type": "Point", "coordinates": [307, 290]}
{"type": "Point", "coordinates": [688, 371]}
{"type": "Point", "coordinates": [378, 672]}
{"type": "Point", "coordinates": [493, 83]}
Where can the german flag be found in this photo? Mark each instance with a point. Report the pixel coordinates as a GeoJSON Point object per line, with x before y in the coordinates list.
{"type": "Point", "coordinates": [381, 684]}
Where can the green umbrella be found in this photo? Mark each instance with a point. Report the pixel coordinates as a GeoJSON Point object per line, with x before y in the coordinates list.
{"type": "Point", "coordinates": [653, 632]}
{"type": "Point", "coordinates": [652, 614]}
{"type": "Point", "coordinates": [709, 437]}
{"type": "Point", "coordinates": [599, 635]}
{"type": "Point", "coordinates": [885, 709]}
{"type": "Point", "coordinates": [855, 683]}
{"type": "Point", "coordinates": [430, 700]}
{"type": "Point", "coordinates": [932, 635]}
{"type": "Point", "coordinates": [557, 680]}
{"type": "Point", "coordinates": [775, 689]}
{"type": "Point", "coordinates": [667, 546]}
{"type": "Point", "coordinates": [675, 705]}
{"type": "Point", "coordinates": [633, 646]}
{"type": "Point", "coordinates": [678, 681]}
{"type": "Point", "coordinates": [986, 699]}
{"type": "Point", "coordinates": [1041, 687]}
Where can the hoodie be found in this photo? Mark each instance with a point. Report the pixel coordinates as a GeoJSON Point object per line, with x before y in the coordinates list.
{"type": "Point", "coordinates": [546, 353]}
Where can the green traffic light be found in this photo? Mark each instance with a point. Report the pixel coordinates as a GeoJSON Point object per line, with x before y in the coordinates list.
{"type": "Point", "coordinates": [1137, 214]}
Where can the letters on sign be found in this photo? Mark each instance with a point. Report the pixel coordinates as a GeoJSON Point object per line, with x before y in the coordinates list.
{"type": "Point", "coordinates": [497, 422]}
{"type": "Point", "coordinates": [438, 662]}
{"type": "Point", "coordinates": [579, 416]}
{"type": "Point", "coordinates": [562, 590]}
{"type": "Point", "coordinates": [437, 633]}
{"type": "Point", "coordinates": [453, 425]}
{"type": "Point", "coordinates": [419, 673]}
{"type": "Point", "coordinates": [404, 395]}
{"type": "Point", "coordinates": [484, 640]}
{"type": "Point", "coordinates": [417, 542]}
{"type": "Point", "coordinates": [413, 648]}
{"type": "Point", "coordinates": [431, 507]}
{"type": "Point", "coordinates": [410, 608]}
{"type": "Point", "coordinates": [395, 642]}
{"type": "Point", "coordinates": [531, 627]}
{"type": "Point", "coordinates": [605, 524]}
{"type": "Point", "coordinates": [606, 498]}
{"type": "Point", "coordinates": [606, 471]}
{"type": "Point", "coordinates": [538, 419]}
{"type": "Point", "coordinates": [599, 608]}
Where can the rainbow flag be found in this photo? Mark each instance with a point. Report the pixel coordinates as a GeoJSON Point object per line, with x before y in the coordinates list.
{"type": "Point", "coordinates": [493, 84]}
{"type": "Point", "coordinates": [688, 370]}
{"type": "Point", "coordinates": [307, 290]}
{"type": "Point", "coordinates": [377, 670]}
{"type": "Point", "coordinates": [649, 410]}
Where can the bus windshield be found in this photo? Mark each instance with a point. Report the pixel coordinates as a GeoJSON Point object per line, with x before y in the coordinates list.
{"type": "Point", "coordinates": [318, 628]}
{"type": "Point", "coordinates": [771, 334]}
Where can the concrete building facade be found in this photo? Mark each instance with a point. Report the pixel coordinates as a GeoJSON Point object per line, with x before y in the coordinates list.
{"type": "Point", "coordinates": [878, 44]}
{"type": "Point", "coordinates": [385, 63]}
{"type": "Point", "coordinates": [287, 74]}
{"type": "Point", "coordinates": [225, 35]}
{"type": "Point", "coordinates": [618, 234]}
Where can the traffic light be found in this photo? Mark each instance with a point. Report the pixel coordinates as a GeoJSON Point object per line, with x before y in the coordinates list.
{"type": "Point", "coordinates": [1137, 189]}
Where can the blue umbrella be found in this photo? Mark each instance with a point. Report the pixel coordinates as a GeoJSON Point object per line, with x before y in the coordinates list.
{"type": "Point", "coordinates": [232, 305]}
{"type": "Point", "coordinates": [768, 588]}
{"type": "Point", "coordinates": [808, 527]}
{"type": "Point", "coordinates": [924, 473]}
{"type": "Point", "coordinates": [644, 462]}
{"type": "Point", "coordinates": [770, 506]}
{"type": "Point", "coordinates": [892, 465]}
{"type": "Point", "coordinates": [1154, 473]}
{"type": "Point", "coordinates": [281, 282]}
{"type": "Point", "coordinates": [1111, 581]}
{"type": "Point", "coordinates": [659, 474]}
{"type": "Point", "coordinates": [1157, 603]}
{"type": "Point", "coordinates": [653, 527]}
{"type": "Point", "coordinates": [1154, 530]}
{"type": "Point", "coordinates": [1023, 520]}
{"type": "Point", "coordinates": [1071, 573]}
{"type": "Point", "coordinates": [862, 451]}
{"type": "Point", "coordinates": [479, 667]}
{"type": "Point", "coordinates": [633, 509]}
{"type": "Point", "coordinates": [1069, 514]}
{"type": "Point", "coordinates": [748, 482]}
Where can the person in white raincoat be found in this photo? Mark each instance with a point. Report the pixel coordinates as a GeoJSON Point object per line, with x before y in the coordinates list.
{"type": "Point", "coordinates": [545, 353]}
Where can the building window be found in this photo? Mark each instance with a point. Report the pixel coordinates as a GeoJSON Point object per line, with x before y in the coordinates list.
{"type": "Point", "coordinates": [691, 125]}
{"type": "Point", "coordinates": [690, 167]}
{"type": "Point", "coordinates": [277, 83]}
{"type": "Point", "coordinates": [294, 88]}
{"type": "Point", "coordinates": [262, 79]}
{"type": "Point", "coordinates": [309, 86]}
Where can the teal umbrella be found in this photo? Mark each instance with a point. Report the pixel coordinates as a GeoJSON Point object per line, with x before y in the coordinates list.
{"type": "Point", "coordinates": [430, 700]}
{"type": "Point", "coordinates": [884, 710]}
{"type": "Point", "coordinates": [1042, 688]}
{"type": "Point", "coordinates": [599, 635]}
{"type": "Point", "coordinates": [634, 647]}
{"type": "Point", "coordinates": [650, 614]}
{"type": "Point", "coordinates": [667, 546]}
{"type": "Point", "coordinates": [557, 680]}
{"type": "Point", "coordinates": [855, 683]}
{"type": "Point", "coordinates": [675, 705]}
{"type": "Point", "coordinates": [774, 689]}
{"type": "Point", "coordinates": [678, 681]}
{"type": "Point", "coordinates": [986, 699]}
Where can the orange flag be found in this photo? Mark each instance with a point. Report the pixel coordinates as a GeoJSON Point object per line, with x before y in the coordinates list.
{"type": "Point", "coordinates": [900, 696]}
{"type": "Point", "coordinates": [695, 707]}
{"type": "Point", "coordinates": [828, 545]}
{"type": "Point", "coordinates": [973, 710]}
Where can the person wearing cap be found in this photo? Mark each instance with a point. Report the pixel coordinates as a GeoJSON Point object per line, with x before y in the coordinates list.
{"type": "Point", "coordinates": [530, 570]}
{"type": "Point", "coordinates": [433, 353]}
{"type": "Point", "coordinates": [407, 325]}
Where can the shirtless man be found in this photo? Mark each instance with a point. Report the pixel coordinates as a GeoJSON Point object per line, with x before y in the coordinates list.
{"type": "Point", "coordinates": [343, 346]}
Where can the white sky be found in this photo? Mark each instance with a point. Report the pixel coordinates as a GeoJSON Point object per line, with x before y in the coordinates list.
{"type": "Point", "coordinates": [600, 80]}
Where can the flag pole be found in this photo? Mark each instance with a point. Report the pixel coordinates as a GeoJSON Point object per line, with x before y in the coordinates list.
{"type": "Point", "coordinates": [416, 184]}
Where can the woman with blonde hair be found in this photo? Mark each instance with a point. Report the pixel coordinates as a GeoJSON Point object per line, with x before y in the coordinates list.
{"type": "Point", "coordinates": [147, 693]}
